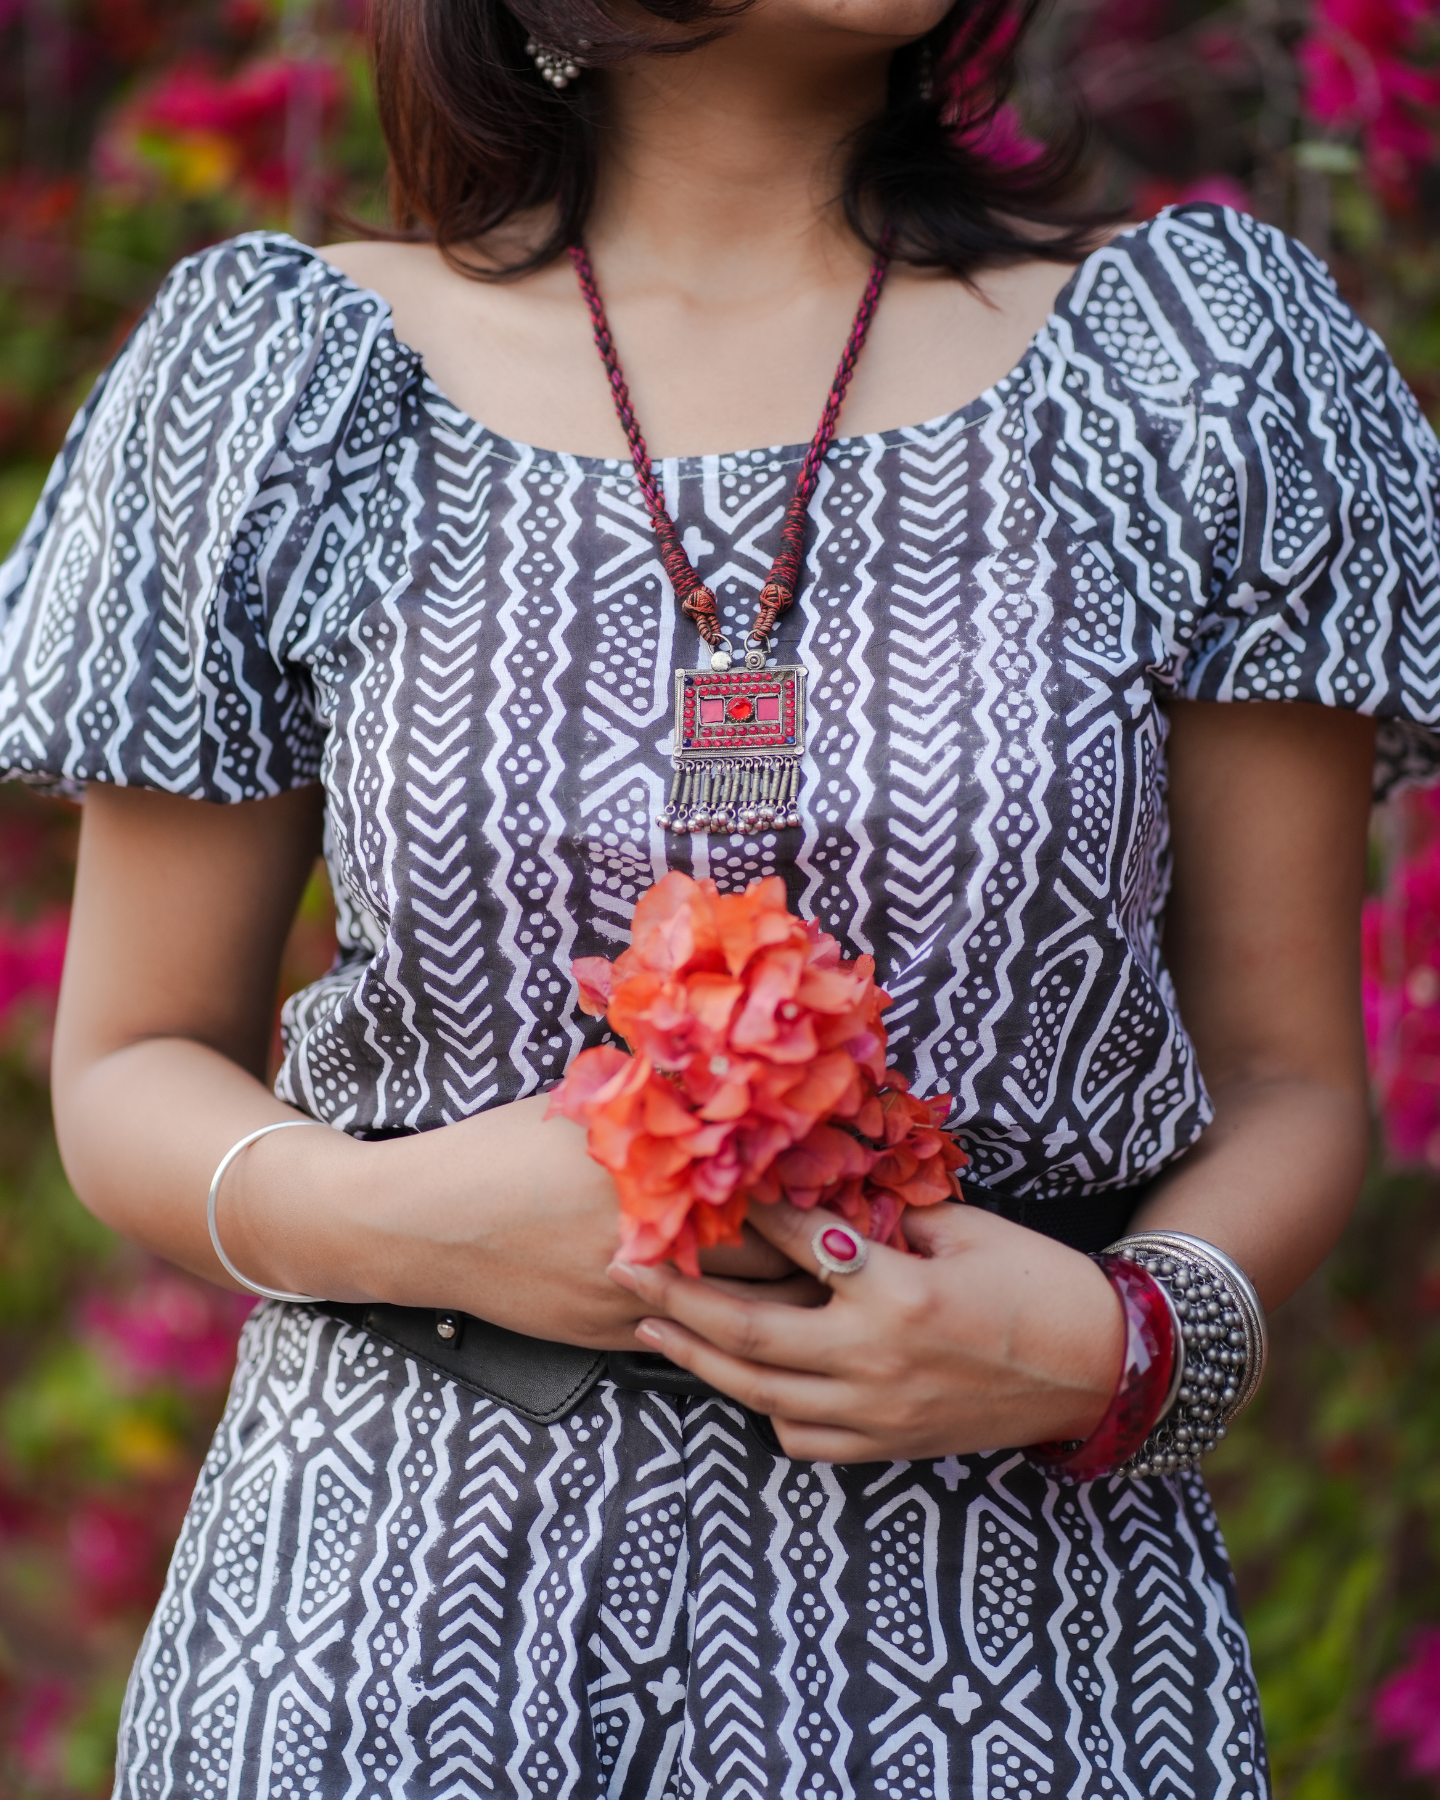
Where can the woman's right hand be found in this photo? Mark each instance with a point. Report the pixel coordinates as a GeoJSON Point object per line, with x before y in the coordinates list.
{"type": "Point", "coordinates": [507, 1217]}
{"type": "Point", "coordinates": [181, 911]}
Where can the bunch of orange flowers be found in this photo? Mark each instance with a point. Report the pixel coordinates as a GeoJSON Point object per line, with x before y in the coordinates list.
{"type": "Point", "coordinates": [756, 1072]}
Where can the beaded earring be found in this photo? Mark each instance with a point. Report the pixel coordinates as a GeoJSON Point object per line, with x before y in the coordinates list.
{"type": "Point", "coordinates": [558, 67]}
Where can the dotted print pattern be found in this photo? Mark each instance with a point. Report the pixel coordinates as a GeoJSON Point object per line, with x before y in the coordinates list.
{"type": "Point", "coordinates": [299, 1756]}
{"type": "Point", "coordinates": [642, 1600]}
{"type": "Point", "coordinates": [1203, 478]}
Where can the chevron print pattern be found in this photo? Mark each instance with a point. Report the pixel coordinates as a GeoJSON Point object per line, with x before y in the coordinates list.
{"type": "Point", "coordinates": [272, 553]}
{"type": "Point", "coordinates": [388, 1589]}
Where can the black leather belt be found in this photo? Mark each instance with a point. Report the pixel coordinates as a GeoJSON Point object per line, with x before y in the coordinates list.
{"type": "Point", "coordinates": [543, 1381]}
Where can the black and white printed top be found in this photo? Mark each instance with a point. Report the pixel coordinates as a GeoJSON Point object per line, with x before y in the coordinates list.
{"type": "Point", "coordinates": [272, 552]}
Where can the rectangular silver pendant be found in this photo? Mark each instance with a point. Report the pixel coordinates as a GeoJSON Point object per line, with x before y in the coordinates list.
{"type": "Point", "coordinates": [739, 737]}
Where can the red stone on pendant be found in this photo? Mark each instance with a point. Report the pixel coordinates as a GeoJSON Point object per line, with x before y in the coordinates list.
{"type": "Point", "coordinates": [741, 709]}
{"type": "Point", "coordinates": [839, 1244]}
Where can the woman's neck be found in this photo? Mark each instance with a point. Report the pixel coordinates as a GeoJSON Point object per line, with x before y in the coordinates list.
{"type": "Point", "coordinates": [721, 169]}
{"type": "Point", "coordinates": [727, 268]}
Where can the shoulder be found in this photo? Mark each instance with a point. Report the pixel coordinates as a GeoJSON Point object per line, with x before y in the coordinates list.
{"type": "Point", "coordinates": [260, 337]}
{"type": "Point", "coordinates": [256, 361]}
{"type": "Point", "coordinates": [381, 265]}
{"type": "Point", "coordinates": [258, 267]}
{"type": "Point", "coordinates": [262, 291]}
{"type": "Point", "coordinates": [1202, 288]}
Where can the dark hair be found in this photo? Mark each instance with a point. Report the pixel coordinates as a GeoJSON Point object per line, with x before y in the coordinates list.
{"type": "Point", "coordinates": [477, 136]}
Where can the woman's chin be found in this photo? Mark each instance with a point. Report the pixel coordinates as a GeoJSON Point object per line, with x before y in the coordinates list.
{"type": "Point", "coordinates": [882, 23]}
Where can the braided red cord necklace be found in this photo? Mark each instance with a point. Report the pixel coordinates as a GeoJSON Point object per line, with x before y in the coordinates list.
{"type": "Point", "coordinates": [779, 590]}
{"type": "Point", "coordinates": [739, 735]}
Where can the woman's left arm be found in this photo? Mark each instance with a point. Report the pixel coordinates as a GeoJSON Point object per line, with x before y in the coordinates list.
{"type": "Point", "coordinates": [1269, 812]}
{"type": "Point", "coordinates": [996, 1335]}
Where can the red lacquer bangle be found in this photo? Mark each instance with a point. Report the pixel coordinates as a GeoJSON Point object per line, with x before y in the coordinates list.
{"type": "Point", "coordinates": [1146, 1389]}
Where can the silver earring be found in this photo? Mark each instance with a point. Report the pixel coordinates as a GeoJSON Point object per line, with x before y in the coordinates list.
{"type": "Point", "coordinates": [927, 76]}
{"type": "Point", "coordinates": [558, 67]}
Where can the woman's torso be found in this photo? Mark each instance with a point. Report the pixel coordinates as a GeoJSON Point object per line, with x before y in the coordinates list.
{"type": "Point", "coordinates": [473, 643]}
{"type": "Point", "coordinates": [498, 749]}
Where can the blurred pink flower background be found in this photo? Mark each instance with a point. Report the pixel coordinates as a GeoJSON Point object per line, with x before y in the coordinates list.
{"type": "Point", "coordinates": [1407, 1706]}
{"type": "Point", "coordinates": [1363, 74]}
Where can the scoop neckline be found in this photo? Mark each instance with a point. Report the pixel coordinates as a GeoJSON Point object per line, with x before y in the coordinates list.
{"type": "Point", "coordinates": [772, 455]}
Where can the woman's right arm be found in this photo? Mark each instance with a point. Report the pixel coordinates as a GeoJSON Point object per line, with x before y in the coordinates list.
{"type": "Point", "coordinates": [180, 916]}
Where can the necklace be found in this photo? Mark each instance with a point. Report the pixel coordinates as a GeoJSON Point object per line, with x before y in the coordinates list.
{"type": "Point", "coordinates": [739, 732]}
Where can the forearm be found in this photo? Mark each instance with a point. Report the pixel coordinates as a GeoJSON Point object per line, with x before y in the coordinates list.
{"type": "Point", "coordinates": [179, 920]}
{"type": "Point", "coordinates": [1272, 1181]}
{"type": "Point", "coordinates": [141, 1131]}
{"type": "Point", "coordinates": [473, 1216]}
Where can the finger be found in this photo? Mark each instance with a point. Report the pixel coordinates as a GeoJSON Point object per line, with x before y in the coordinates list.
{"type": "Point", "coordinates": [806, 1442]}
{"type": "Point", "coordinates": [752, 1260]}
{"type": "Point", "coordinates": [794, 1231]}
{"type": "Point", "coordinates": [796, 1290]}
{"type": "Point", "coordinates": [786, 1337]}
{"type": "Point", "coordinates": [794, 1393]}
{"type": "Point", "coordinates": [938, 1230]}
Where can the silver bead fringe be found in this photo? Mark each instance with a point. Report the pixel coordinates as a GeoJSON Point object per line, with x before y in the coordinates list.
{"type": "Point", "coordinates": [748, 793]}
{"type": "Point", "coordinates": [558, 67]}
{"type": "Point", "coordinates": [1224, 1346]}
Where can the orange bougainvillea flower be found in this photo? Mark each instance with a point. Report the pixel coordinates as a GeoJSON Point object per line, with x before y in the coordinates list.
{"type": "Point", "coordinates": [756, 1072]}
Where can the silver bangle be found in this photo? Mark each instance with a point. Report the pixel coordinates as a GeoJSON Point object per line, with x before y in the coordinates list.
{"type": "Point", "coordinates": [254, 1287]}
{"type": "Point", "coordinates": [1223, 1345]}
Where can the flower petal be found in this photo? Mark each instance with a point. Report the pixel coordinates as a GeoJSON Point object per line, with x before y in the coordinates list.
{"type": "Point", "coordinates": [595, 977]}
{"type": "Point", "coordinates": [592, 1078]}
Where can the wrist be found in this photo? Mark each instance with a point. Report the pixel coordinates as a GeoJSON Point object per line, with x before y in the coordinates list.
{"type": "Point", "coordinates": [413, 1217]}
{"type": "Point", "coordinates": [287, 1216]}
{"type": "Point", "coordinates": [1085, 1350]}
{"type": "Point", "coordinates": [403, 1221]}
{"type": "Point", "coordinates": [1221, 1342]}
{"type": "Point", "coordinates": [1150, 1371]}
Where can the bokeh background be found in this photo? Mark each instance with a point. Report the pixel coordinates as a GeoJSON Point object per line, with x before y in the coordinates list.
{"type": "Point", "coordinates": [133, 131]}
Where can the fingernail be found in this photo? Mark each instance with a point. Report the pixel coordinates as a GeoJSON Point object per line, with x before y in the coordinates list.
{"type": "Point", "coordinates": [650, 1331]}
{"type": "Point", "coordinates": [623, 1272]}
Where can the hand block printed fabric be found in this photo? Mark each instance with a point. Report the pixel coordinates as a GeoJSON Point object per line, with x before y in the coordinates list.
{"type": "Point", "coordinates": [272, 552]}
{"type": "Point", "coordinates": [388, 1587]}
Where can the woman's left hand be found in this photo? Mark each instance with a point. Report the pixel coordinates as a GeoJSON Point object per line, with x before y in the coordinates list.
{"type": "Point", "coordinates": [991, 1336]}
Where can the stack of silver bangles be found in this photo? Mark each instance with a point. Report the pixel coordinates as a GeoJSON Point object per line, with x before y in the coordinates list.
{"type": "Point", "coordinates": [1220, 1335]}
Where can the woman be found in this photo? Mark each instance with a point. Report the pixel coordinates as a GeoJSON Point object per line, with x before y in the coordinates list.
{"type": "Point", "coordinates": [284, 571]}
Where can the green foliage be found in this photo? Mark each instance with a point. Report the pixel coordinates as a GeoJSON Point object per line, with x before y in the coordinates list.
{"type": "Point", "coordinates": [78, 1418]}
{"type": "Point", "coordinates": [1329, 1493]}
{"type": "Point", "coordinates": [20, 487]}
{"type": "Point", "coordinates": [88, 1758]}
{"type": "Point", "coordinates": [46, 1236]}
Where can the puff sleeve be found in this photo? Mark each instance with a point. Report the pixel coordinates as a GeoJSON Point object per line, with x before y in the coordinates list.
{"type": "Point", "coordinates": [135, 642]}
{"type": "Point", "coordinates": [1316, 479]}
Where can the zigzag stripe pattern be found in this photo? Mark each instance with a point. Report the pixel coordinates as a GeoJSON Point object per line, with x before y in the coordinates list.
{"type": "Point", "coordinates": [272, 553]}
{"type": "Point", "coordinates": [389, 1589]}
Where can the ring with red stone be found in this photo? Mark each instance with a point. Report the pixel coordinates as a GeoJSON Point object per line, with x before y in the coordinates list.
{"type": "Point", "coordinates": [839, 1250]}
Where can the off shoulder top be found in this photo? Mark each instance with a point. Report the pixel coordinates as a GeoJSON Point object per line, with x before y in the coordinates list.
{"type": "Point", "coordinates": [273, 553]}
